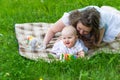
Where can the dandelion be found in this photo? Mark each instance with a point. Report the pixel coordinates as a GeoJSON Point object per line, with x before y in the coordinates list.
{"type": "Point", "coordinates": [41, 79]}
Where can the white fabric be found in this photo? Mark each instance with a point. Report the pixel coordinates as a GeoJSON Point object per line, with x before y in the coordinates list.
{"type": "Point", "coordinates": [110, 20]}
{"type": "Point", "coordinates": [59, 47]}
{"type": "Point", "coordinates": [65, 18]}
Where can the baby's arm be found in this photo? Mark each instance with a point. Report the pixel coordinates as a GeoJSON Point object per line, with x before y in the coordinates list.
{"type": "Point", "coordinates": [58, 26]}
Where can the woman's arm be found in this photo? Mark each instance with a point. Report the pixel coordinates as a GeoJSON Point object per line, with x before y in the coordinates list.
{"type": "Point", "coordinates": [101, 36]}
{"type": "Point", "coordinates": [57, 27]}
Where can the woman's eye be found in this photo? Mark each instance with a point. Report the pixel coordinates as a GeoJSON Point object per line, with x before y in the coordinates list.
{"type": "Point", "coordinates": [79, 28]}
{"type": "Point", "coordinates": [86, 32]}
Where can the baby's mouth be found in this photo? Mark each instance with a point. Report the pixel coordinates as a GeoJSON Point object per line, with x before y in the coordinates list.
{"type": "Point", "coordinates": [67, 43]}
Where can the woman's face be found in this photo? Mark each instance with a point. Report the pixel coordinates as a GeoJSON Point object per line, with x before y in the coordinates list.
{"type": "Point", "coordinates": [83, 30]}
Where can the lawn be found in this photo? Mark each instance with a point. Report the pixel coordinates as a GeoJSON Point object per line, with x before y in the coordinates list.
{"type": "Point", "coordinates": [102, 66]}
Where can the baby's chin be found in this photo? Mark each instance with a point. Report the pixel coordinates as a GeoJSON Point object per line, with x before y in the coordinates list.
{"type": "Point", "coordinates": [69, 46]}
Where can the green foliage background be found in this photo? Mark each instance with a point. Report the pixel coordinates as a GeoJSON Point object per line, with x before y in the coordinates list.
{"type": "Point", "coordinates": [14, 67]}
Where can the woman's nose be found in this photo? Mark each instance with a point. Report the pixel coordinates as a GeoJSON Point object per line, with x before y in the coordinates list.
{"type": "Point", "coordinates": [81, 31]}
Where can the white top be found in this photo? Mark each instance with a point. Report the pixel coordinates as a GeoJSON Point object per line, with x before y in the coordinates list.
{"type": "Point", "coordinates": [59, 47]}
{"type": "Point", "coordinates": [108, 20]}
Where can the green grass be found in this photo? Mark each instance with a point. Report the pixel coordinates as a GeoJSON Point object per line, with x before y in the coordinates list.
{"type": "Point", "coordinates": [14, 67]}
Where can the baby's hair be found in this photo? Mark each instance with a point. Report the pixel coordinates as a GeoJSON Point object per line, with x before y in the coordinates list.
{"type": "Point", "coordinates": [69, 30]}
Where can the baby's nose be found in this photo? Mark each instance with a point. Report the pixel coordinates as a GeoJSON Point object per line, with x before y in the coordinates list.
{"type": "Point", "coordinates": [66, 40]}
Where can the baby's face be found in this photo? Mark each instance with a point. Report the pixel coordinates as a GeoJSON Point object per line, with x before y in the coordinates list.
{"type": "Point", "coordinates": [69, 40]}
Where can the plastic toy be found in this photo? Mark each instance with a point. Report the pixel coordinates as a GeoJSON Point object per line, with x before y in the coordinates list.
{"type": "Point", "coordinates": [67, 57]}
{"type": "Point", "coordinates": [29, 38]}
{"type": "Point", "coordinates": [32, 42]}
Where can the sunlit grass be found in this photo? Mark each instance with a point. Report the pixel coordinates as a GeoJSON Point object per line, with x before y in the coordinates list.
{"type": "Point", "coordinates": [15, 67]}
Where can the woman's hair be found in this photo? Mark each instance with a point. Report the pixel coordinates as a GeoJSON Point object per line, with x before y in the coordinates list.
{"type": "Point", "coordinates": [89, 17]}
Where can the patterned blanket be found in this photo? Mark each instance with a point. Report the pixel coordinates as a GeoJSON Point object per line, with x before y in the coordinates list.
{"type": "Point", "coordinates": [38, 30]}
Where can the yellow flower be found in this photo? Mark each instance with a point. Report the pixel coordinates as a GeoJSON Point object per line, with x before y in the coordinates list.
{"type": "Point", "coordinates": [41, 79]}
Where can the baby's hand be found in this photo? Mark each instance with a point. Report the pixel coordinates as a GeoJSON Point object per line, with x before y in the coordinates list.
{"type": "Point", "coordinates": [81, 54]}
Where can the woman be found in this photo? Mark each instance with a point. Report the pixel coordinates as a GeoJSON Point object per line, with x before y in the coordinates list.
{"type": "Point", "coordinates": [93, 24]}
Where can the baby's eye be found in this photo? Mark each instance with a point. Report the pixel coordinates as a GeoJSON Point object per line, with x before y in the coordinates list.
{"type": "Point", "coordinates": [69, 37]}
{"type": "Point", "coordinates": [64, 38]}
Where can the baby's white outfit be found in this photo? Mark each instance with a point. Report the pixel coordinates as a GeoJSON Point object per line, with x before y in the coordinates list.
{"type": "Point", "coordinates": [60, 48]}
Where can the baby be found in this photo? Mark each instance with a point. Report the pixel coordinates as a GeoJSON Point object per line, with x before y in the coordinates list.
{"type": "Point", "coordinates": [69, 44]}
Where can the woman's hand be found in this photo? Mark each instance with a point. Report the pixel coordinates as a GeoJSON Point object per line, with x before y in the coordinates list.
{"type": "Point", "coordinates": [42, 47]}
